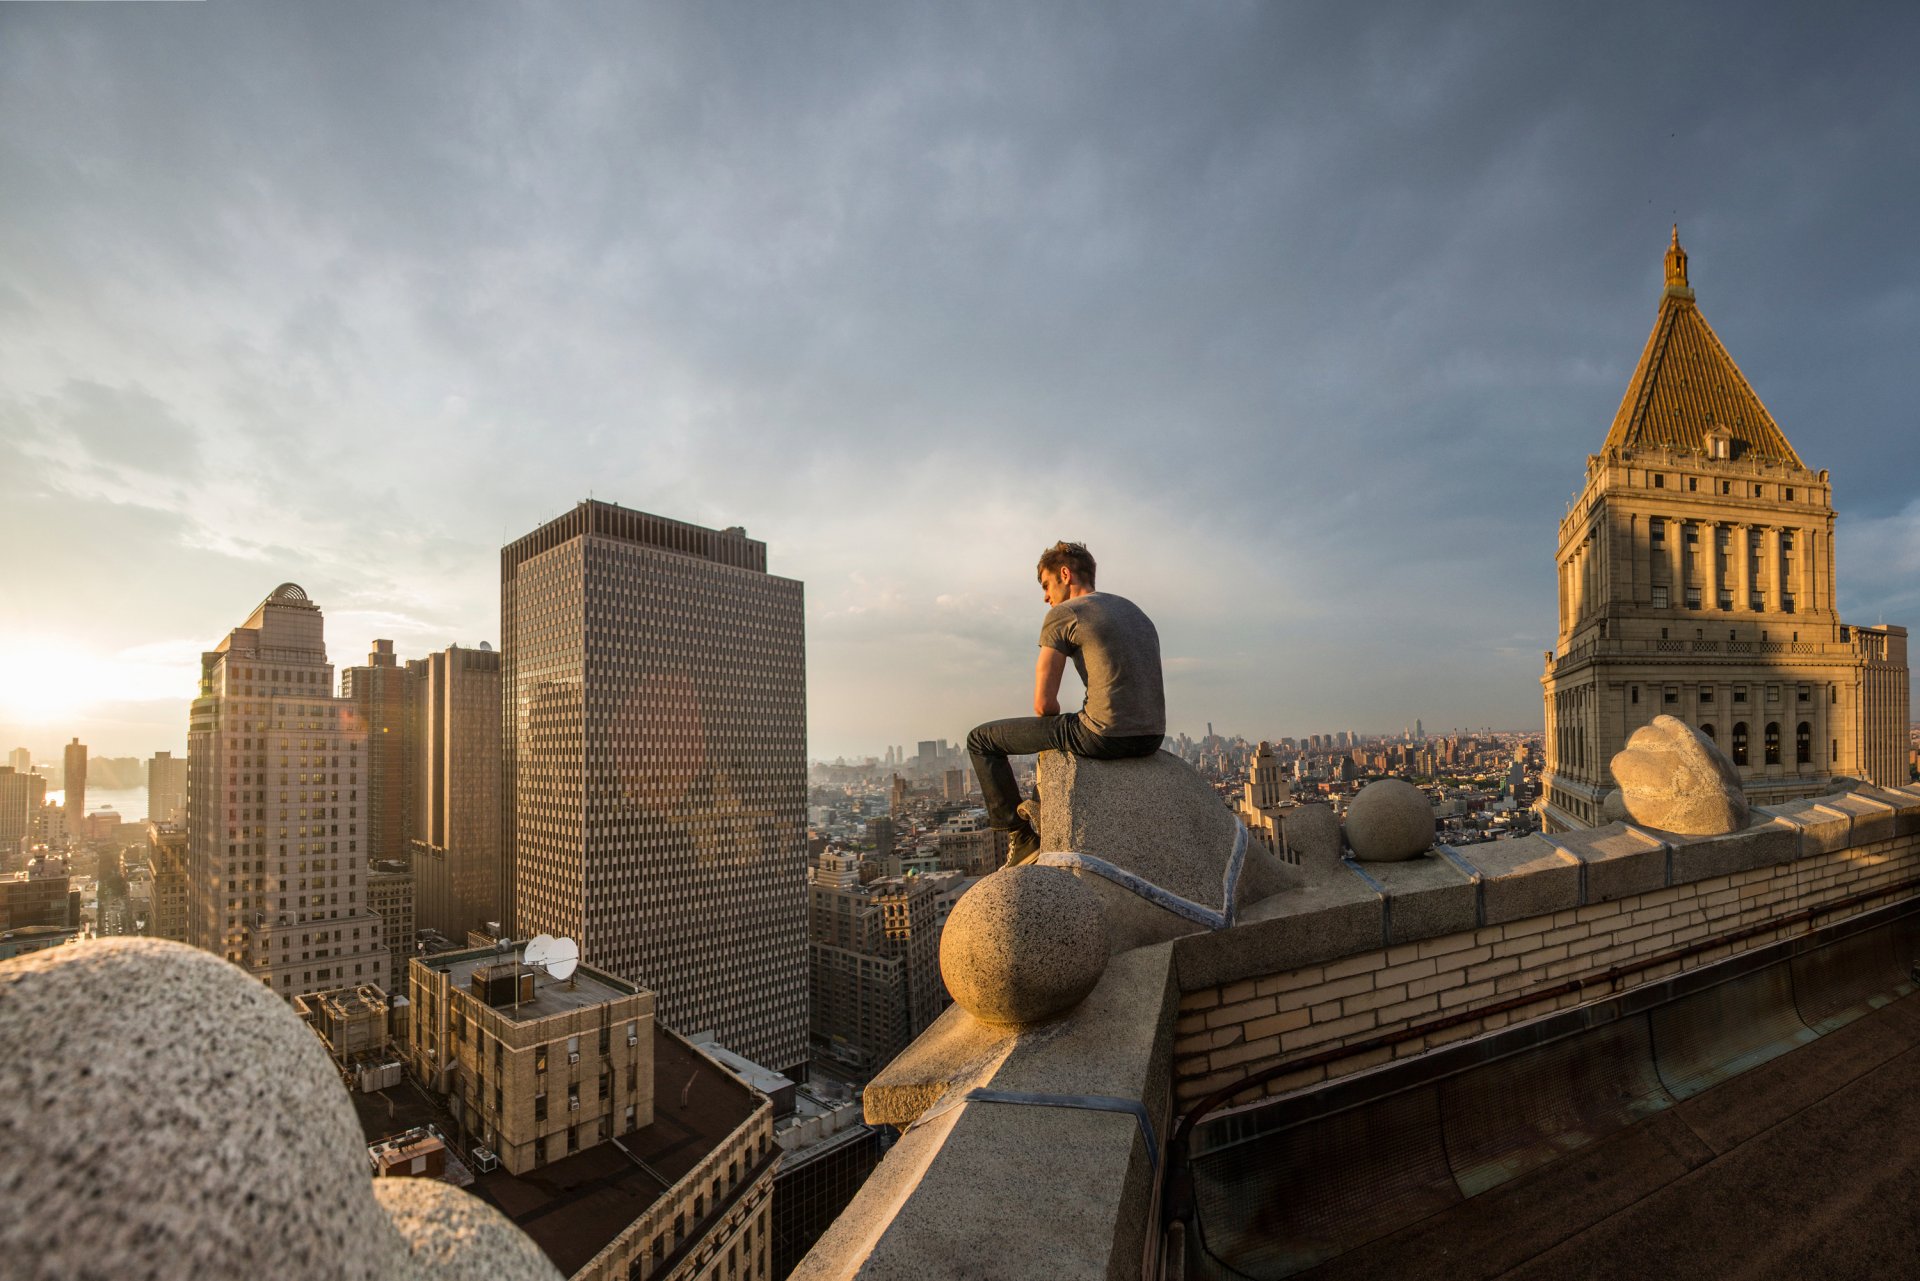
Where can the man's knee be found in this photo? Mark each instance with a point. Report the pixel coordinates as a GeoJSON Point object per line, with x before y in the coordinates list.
{"type": "Point", "coordinates": [977, 742]}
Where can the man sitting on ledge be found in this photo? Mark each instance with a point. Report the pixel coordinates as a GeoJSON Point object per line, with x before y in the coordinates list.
{"type": "Point", "coordinates": [1116, 651]}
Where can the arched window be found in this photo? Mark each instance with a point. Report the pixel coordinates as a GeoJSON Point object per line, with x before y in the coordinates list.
{"type": "Point", "coordinates": [1740, 743]}
{"type": "Point", "coordinates": [1773, 742]}
{"type": "Point", "coordinates": [1708, 731]}
{"type": "Point", "coordinates": [1803, 743]}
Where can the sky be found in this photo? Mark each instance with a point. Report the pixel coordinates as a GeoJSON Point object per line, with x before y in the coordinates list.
{"type": "Point", "coordinates": [1303, 317]}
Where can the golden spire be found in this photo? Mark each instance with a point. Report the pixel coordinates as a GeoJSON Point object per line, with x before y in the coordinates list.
{"type": "Point", "coordinates": [1677, 286]}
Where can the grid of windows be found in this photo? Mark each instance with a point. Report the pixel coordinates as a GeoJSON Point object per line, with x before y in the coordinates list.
{"type": "Point", "coordinates": [656, 742]}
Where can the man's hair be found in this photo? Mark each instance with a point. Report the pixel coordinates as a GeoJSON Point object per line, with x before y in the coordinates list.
{"type": "Point", "coordinates": [1074, 556]}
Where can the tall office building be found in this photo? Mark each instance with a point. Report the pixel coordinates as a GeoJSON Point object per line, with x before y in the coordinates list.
{"type": "Point", "coordinates": [1697, 580]}
{"type": "Point", "coordinates": [460, 878]}
{"type": "Point", "coordinates": [21, 760]}
{"type": "Point", "coordinates": [74, 785]}
{"type": "Point", "coordinates": [379, 697]}
{"type": "Point", "coordinates": [21, 795]}
{"type": "Point", "coordinates": [167, 858]}
{"type": "Point", "coordinates": [654, 765]}
{"type": "Point", "coordinates": [276, 847]}
{"type": "Point", "coordinates": [166, 788]}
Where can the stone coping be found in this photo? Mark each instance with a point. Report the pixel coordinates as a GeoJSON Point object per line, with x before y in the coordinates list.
{"type": "Point", "coordinates": [1361, 907]}
{"type": "Point", "coordinates": [1086, 1175]}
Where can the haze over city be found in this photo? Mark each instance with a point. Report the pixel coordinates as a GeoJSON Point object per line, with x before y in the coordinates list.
{"type": "Point", "coordinates": [1302, 318]}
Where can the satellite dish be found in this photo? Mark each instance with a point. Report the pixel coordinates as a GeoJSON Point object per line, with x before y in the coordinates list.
{"type": "Point", "coordinates": [539, 949]}
{"type": "Point", "coordinates": [563, 959]}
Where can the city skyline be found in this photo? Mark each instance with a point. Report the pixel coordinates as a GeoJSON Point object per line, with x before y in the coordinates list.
{"type": "Point", "coordinates": [1289, 315]}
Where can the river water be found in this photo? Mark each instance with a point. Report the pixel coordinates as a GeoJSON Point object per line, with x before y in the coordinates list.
{"type": "Point", "coordinates": [130, 802]}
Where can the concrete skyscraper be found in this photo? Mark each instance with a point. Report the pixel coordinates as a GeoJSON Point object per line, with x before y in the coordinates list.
{"type": "Point", "coordinates": [20, 797]}
{"type": "Point", "coordinates": [276, 786]}
{"type": "Point", "coordinates": [654, 765]}
{"type": "Point", "coordinates": [166, 788]}
{"type": "Point", "coordinates": [1697, 580]}
{"type": "Point", "coordinates": [74, 785]}
{"type": "Point", "coordinates": [378, 692]}
{"type": "Point", "coordinates": [460, 878]}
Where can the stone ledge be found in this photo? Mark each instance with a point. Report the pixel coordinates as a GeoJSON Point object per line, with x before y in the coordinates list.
{"type": "Point", "coordinates": [1530, 876]}
{"type": "Point", "coordinates": [1616, 861]}
{"type": "Point", "coordinates": [1335, 916]}
{"type": "Point", "coordinates": [1423, 896]}
{"type": "Point", "coordinates": [1905, 802]}
{"type": "Point", "coordinates": [1085, 1174]}
{"type": "Point", "coordinates": [1340, 912]}
{"type": "Point", "coordinates": [1873, 820]}
{"type": "Point", "coordinates": [1699, 858]}
{"type": "Point", "coordinates": [1822, 829]}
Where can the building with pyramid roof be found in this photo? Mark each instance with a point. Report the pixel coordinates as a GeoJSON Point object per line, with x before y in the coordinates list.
{"type": "Point", "coordinates": [1696, 580]}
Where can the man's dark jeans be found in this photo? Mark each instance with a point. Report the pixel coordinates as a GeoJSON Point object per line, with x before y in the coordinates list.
{"type": "Point", "coordinates": [992, 743]}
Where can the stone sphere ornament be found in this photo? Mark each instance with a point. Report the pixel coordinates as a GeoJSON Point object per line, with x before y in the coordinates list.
{"type": "Point", "coordinates": [1024, 945]}
{"type": "Point", "coordinates": [1389, 821]}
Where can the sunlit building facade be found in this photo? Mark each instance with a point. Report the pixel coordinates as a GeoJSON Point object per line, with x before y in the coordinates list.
{"type": "Point", "coordinates": [166, 788]}
{"type": "Point", "coordinates": [655, 725]}
{"type": "Point", "coordinates": [460, 874]}
{"type": "Point", "coordinates": [1696, 577]}
{"type": "Point", "coordinates": [74, 785]}
{"type": "Point", "coordinates": [275, 803]}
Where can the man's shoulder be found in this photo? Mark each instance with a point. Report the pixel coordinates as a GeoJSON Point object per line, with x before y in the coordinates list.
{"type": "Point", "coordinates": [1110, 605]}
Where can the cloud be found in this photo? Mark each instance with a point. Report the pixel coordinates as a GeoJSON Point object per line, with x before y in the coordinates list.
{"type": "Point", "coordinates": [1305, 319]}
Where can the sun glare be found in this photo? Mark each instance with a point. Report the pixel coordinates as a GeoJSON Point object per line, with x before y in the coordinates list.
{"type": "Point", "coordinates": [49, 683]}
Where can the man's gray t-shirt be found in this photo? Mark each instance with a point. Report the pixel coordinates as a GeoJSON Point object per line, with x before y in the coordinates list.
{"type": "Point", "coordinates": [1117, 653]}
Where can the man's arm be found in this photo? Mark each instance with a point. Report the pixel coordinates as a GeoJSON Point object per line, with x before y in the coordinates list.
{"type": "Point", "coordinates": [1046, 681]}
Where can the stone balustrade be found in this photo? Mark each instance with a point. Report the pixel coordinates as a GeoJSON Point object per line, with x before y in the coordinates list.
{"type": "Point", "coordinates": [1038, 1152]}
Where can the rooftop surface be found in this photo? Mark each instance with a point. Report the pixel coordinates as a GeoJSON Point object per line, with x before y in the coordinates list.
{"type": "Point", "coordinates": [1802, 1167]}
{"type": "Point", "coordinates": [586, 987]}
{"type": "Point", "coordinates": [573, 1208]}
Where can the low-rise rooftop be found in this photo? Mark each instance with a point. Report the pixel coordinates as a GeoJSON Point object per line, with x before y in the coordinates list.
{"type": "Point", "coordinates": [584, 988]}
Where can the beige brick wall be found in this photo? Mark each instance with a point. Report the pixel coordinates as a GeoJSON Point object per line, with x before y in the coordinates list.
{"type": "Point", "coordinates": [1226, 1033]}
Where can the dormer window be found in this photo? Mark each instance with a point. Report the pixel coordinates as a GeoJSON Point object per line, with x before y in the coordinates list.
{"type": "Point", "coordinates": [1719, 443]}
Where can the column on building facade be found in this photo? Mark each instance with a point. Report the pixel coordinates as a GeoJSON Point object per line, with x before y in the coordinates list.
{"type": "Point", "coordinates": [1634, 576]}
{"type": "Point", "coordinates": [1709, 565]}
{"type": "Point", "coordinates": [1742, 565]}
{"type": "Point", "coordinates": [1676, 562]}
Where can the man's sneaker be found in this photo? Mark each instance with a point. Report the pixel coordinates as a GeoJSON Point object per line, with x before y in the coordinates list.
{"type": "Point", "coordinates": [1023, 843]}
{"type": "Point", "coordinates": [1029, 812]}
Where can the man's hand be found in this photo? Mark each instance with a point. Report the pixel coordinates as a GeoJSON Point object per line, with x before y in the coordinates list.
{"type": "Point", "coordinates": [1046, 681]}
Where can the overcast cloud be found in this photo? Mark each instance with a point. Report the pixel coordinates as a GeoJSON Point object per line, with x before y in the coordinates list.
{"type": "Point", "coordinates": [1303, 317]}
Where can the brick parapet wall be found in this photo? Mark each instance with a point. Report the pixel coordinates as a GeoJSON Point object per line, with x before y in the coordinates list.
{"type": "Point", "coordinates": [1466, 929]}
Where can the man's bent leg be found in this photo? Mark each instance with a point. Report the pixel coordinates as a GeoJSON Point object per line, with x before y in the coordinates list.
{"type": "Point", "coordinates": [991, 744]}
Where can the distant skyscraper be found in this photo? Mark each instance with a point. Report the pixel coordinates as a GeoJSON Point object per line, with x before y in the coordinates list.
{"type": "Point", "coordinates": [167, 857]}
{"type": "Point", "coordinates": [166, 788]}
{"type": "Point", "coordinates": [276, 785]}
{"type": "Point", "coordinates": [19, 803]}
{"type": "Point", "coordinates": [74, 783]}
{"type": "Point", "coordinates": [654, 681]}
{"type": "Point", "coordinates": [21, 760]}
{"type": "Point", "coordinates": [379, 697]}
{"type": "Point", "coordinates": [1697, 580]}
{"type": "Point", "coordinates": [460, 878]}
